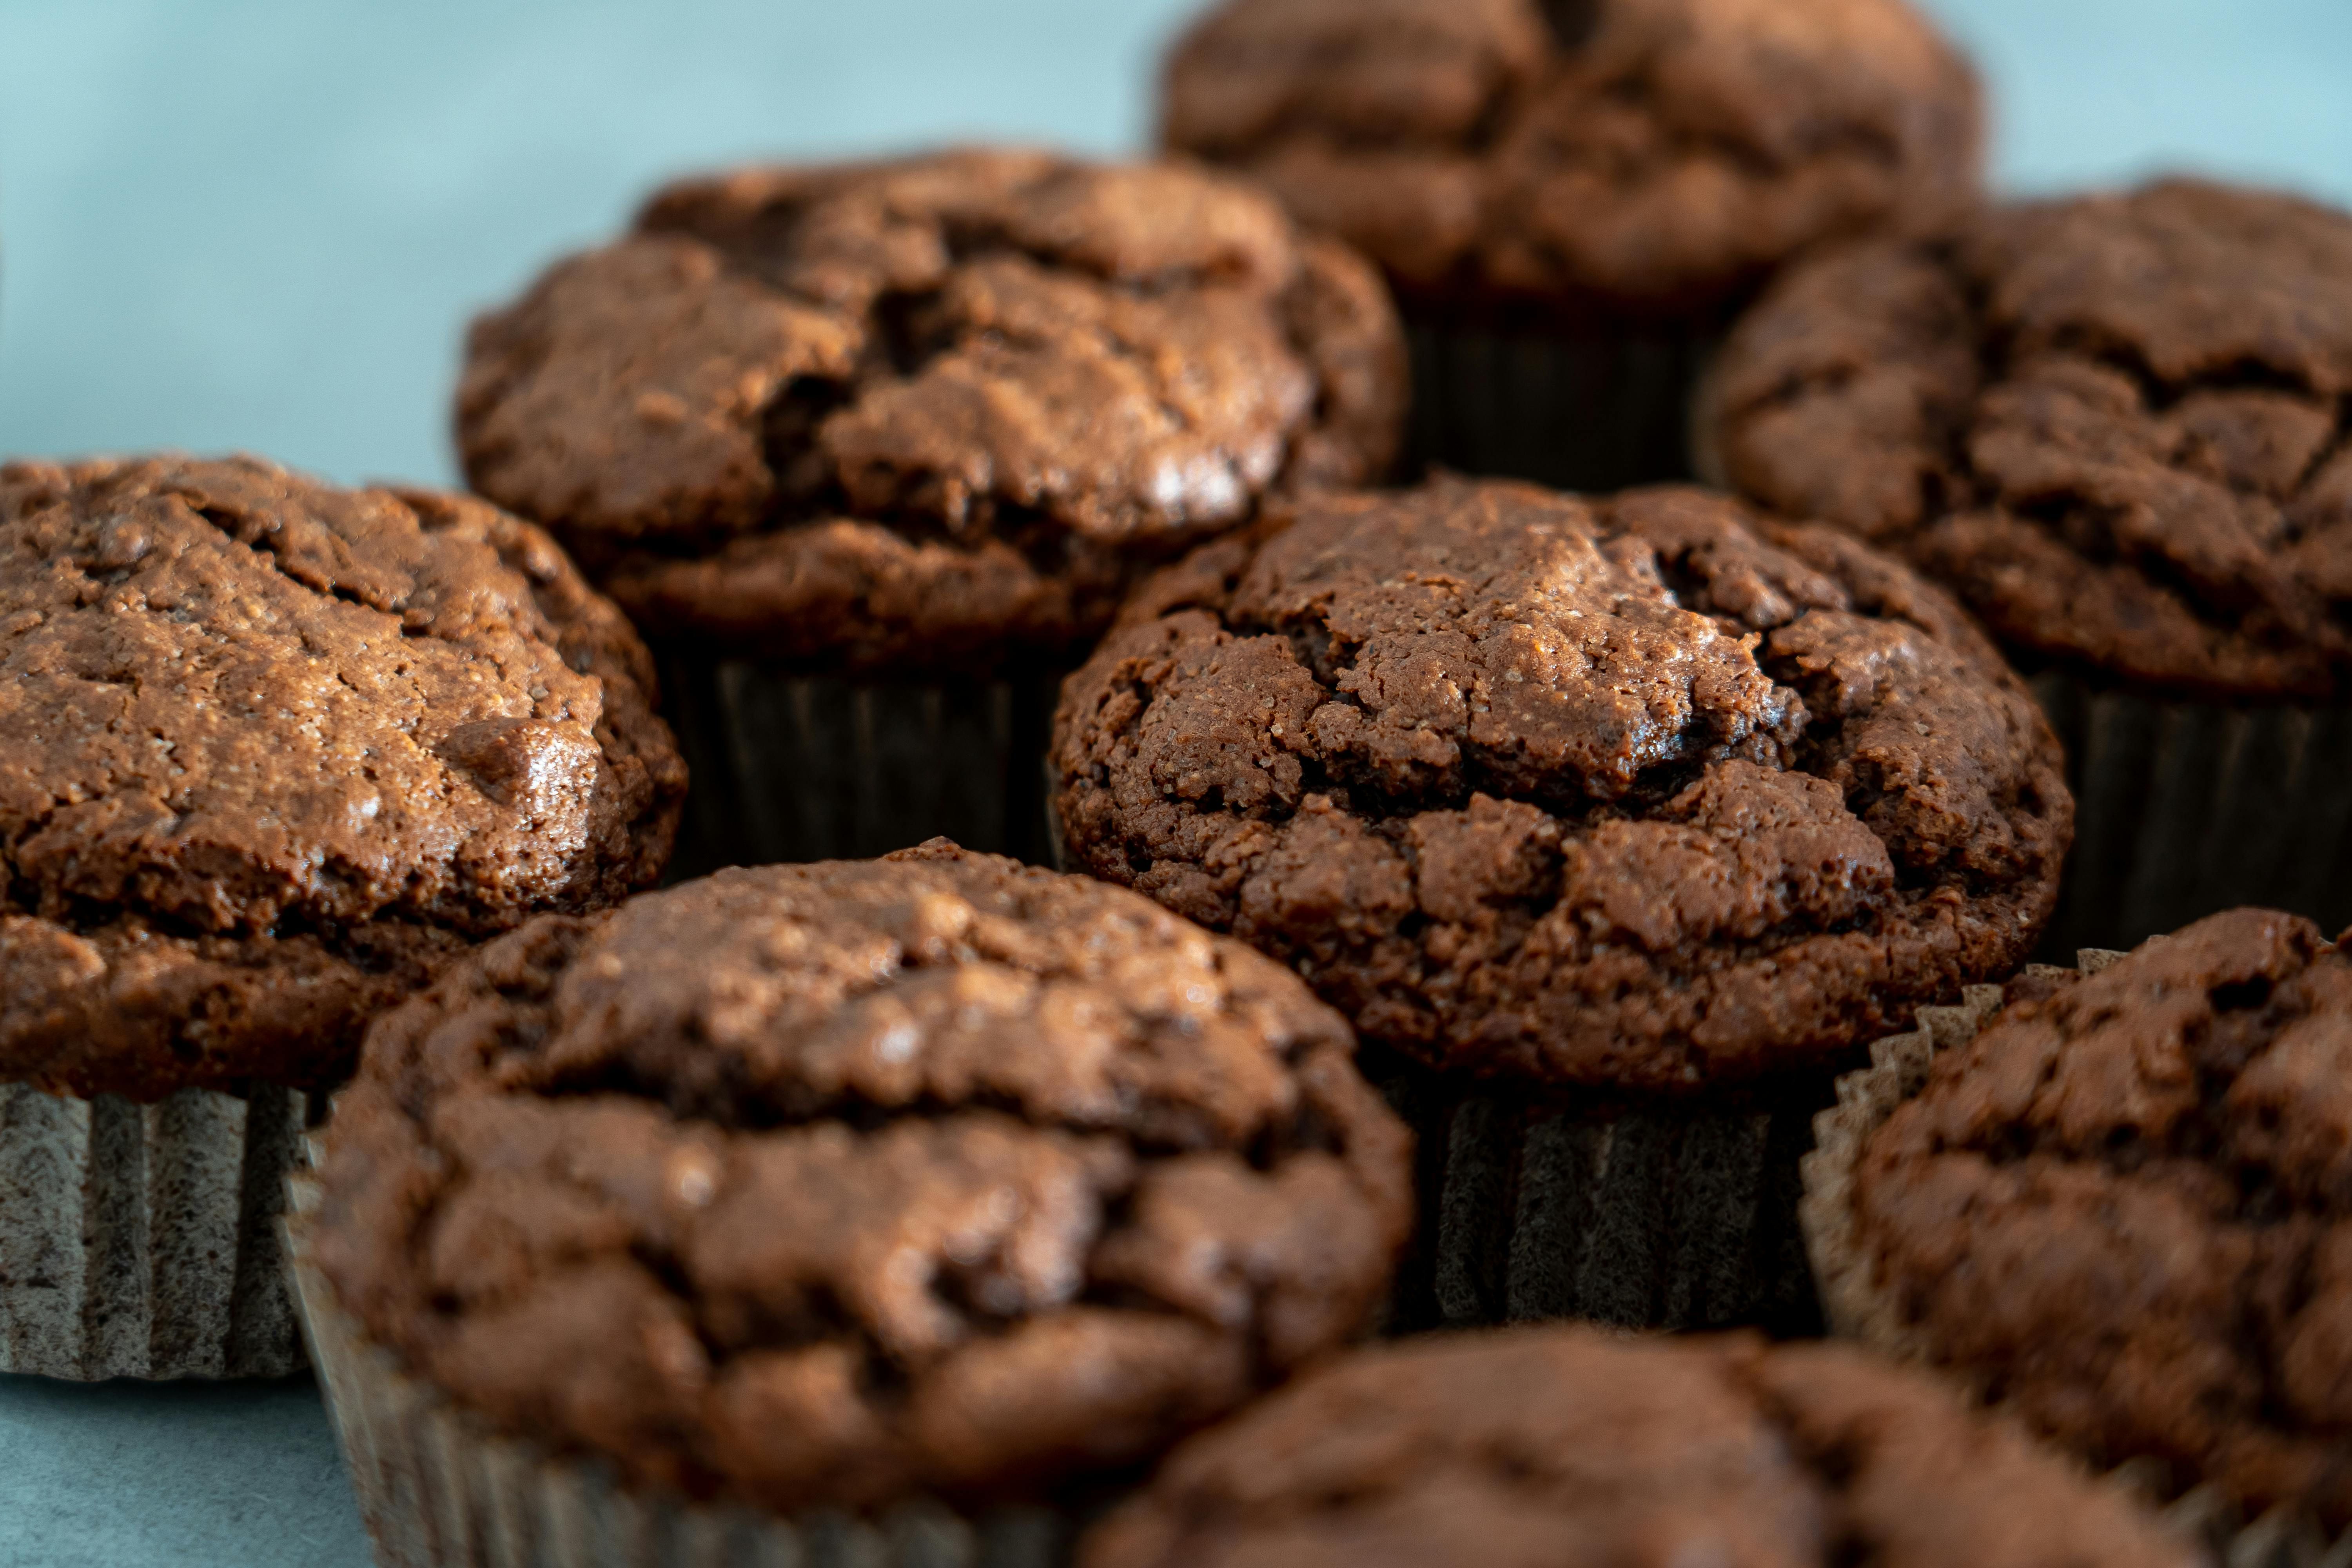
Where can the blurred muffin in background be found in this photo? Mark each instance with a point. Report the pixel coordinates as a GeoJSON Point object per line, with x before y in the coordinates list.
{"type": "Point", "coordinates": [2116, 426]}
{"type": "Point", "coordinates": [1571, 198]}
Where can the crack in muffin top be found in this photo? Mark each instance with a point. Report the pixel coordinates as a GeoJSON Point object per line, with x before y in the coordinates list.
{"type": "Point", "coordinates": [1641, 792]}
{"type": "Point", "coordinates": [821, 1184]}
{"type": "Point", "coordinates": [2120, 427]}
{"type": "Point", "coordinates": [276, 750]}
{"type": "Point", "coordinates": [1658, 153]}
{"type": "Point", "coordinates": [1538, 1447]}
{"type": "Point", "coordinates": [2125, 1209]}
{"type": "Point", "coordinates": [923, 411]}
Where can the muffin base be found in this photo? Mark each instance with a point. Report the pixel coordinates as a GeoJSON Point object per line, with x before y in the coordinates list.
{"type": "Point", "coordinates": [438, 1487]}
{"type": "Point", "coordinates": [1856, 1308]}
{"type": "Point", "coordinates": [1672, 1218]}
{"type": "Point", "coordinates": [790, 767]}
{"type": "Point", "coordinates": [142, 1240]}
{"type": "Point", "coordinates": [2184, 809]}
{"type": "Point", "coordinates": [1593, 406]}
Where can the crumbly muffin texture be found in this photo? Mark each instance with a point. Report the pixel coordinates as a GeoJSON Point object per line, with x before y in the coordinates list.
{"type": "Point", "coordinates": [2124, 1210]}
{"type": "Point", "coordinates": [819, 1184]}
{"type": "Point", "coordinates": [925, 412]}
{"type": "Point", "coordinates": [274, 750]}
{"type": "Point", "coordinates": [2116, 426]}
{"type": "Point", "coordinates": [1632, 154]}
{"type": "Point", "coordinates": [1640, 792]}
{"type": "Point", "coordinates": [1533, 1447]}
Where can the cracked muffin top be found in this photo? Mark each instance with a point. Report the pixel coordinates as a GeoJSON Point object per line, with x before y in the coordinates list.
{"type": "Point", "coordinates": [1536, 1446]}
{"type": "Point", "coordinates": [2117, 427]}
{"type": "Point", "coordinates": [2124, 1210]}
{"type": "Point", "coordinates": [1639, 791]}
{"type": "Point", "coordinates": [821, 1184]}
{"type": "Point", "coordinates": [276, 750]}
{"type": "Point", "coordinates": [919, 413]}
{"type": "Point", "coordinates": [1660, 154]}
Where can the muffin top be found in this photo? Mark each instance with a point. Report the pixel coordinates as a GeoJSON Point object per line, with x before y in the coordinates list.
{"type": "Point", "coordinates": [916, 414]}
{"type": "Point", "coordinates": [2125, 1209]}
{"type": "Point", "coordinates": [2116, 426]}
{"type": "Point", "coordinates": [1638, 792]}
{"type": "Point", "coordinates": [817, 1185]}
{"type": "Point", "coordinates": [1611, 153]}
{"type": "Point", "coordinates": [274, 750]}
{"type": "Point", "coordinates": [1536, 1446]}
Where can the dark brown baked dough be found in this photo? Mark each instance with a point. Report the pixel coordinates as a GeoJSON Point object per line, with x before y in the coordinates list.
{"type": "Point", "coordinates": [818, 1184]}
{"type": "Point", "coordinates": [1638, 792]}
{"type": "Point", "coordinates": [272, 752]}
{"type": "Point", "coordinates": [1534, 1447]}
{"type": "Point", "coordinates": [2117, 426]}
{"type": "Point", "coordinates": [924, 412]}
{"type": "Point", "coordinates": [2124, 1210]}
{"type": "Point", "coordinates": [1630, 154]}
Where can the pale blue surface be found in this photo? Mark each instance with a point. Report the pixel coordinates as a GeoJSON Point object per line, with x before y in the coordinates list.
{"type": "Point", "coordinates": [261, 223]}
{"type": "Point", "coordinates": [126, 1474]}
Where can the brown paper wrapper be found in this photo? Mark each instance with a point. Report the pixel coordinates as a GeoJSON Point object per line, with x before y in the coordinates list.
{"type": "Point", "coordinates": [142, 1240]}
{"type": "Point", "coordinates": [439, 1487]}
{"type": "Point", "coordinates": [1593, 406]}
{"type": "Point", "coordinates": [2184, 809]}
{"type": "Point", "coordinates": [786, 767]}
{"type": "Point", "coordinates": [1856, 1308]}
{"type": "Point", "coordinates": [1673, 1218]}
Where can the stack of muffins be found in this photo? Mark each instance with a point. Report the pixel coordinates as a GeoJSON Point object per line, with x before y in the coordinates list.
{"type": "Point", "coordinates": [1469, 914]}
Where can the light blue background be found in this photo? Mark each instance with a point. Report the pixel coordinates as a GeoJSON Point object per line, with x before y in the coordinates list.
{"type": "Point", "coordinates": [261, 224]}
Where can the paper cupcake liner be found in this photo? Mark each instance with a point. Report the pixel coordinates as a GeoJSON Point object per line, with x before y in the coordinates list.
{"type": "Point", "coordinates": [439, 1487]}
{"type": "Point", "coordinates": [1856, 1308]}
{"type": "Point", "coordinates": [1666, 1220]}
{"type": "Point", "coordinates": [2183, 810]}
{"type": "Point", "coordinates": [142, 1240]}
{"type": "Point", "coordinates": [786, 767]}
{"type": "Point", "coordinates": [1598, 409]}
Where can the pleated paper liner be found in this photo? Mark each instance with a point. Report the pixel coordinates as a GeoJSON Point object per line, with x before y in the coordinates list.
{"type": "Point", "coordinates": [1857, 1309]}
{"type": "Point", "coordinates": [439, 1487]}
{"type": "Point", "coordinates": [1676, 1218]}
{"type": "Point", "coordinates": [1595, 406]}
{"type": "Point", "coordinates": [2184, 809]}
{"type": "Point", "coordinates": [142, 1240]}
{"type": "Point", "coordinates": [786, 767]}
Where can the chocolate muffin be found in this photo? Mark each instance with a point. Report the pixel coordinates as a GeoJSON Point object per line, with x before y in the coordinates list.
{"type": "Point", "coordinates": [274, 753]}
{"type": "Point", "coordinates": [2116, 427]}
{"type": "Point", "coordinates": [1540, 1446]}
{"type": "Point", "coordinates": [1640, 800]}
{"type": "Point", "coordinates": [828, 1186]}
{"type": "Point", "coordinates": [1570, 198]}
{"type": "Point", "coordinates": [2120, 1211]}
{"type": "Point", "coordinates": [870, 452]}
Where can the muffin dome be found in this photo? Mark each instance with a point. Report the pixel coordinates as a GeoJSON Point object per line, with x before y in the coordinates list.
{"type": "Point", "coordinates": [820, 1185]}
{"type": "Point", "coordinates": [1640, 791]}
{"type": "Point", "coordinates": [1541, 1447]}
{"type": "Point", "coordinates": [912, 414]}
{"type": "Point", "coordinates": [1659, 154]}
{"type": "Point", "coordinates": [276, 750]}
{"type": "Point", "coordinates": [2115, 425]}
{"type": "Point", "coordinates": [2124, 1210]}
